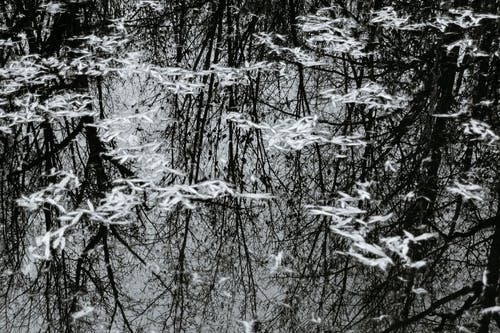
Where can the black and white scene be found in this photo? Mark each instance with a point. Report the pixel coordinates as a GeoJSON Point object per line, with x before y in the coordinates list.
{"type": "Point", "coordinates": [249, 166]}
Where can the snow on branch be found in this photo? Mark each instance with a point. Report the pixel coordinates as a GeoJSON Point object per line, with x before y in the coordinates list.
{"type": "Point", "coordinates": [169, 197]}
{"type": "Point", "coordinates": [481, 130]}
{"type": "Point", "coordinates": [339, 35]}
{"type": "Point", "coordinates": [467, 191]}
{"type": "Point", "coordinates": [295, 54]}
{"type": "Point", "coordinates": [118, 205]}
{"type": "Point", "coordinates": [348, 222]}
{"type": "Point", "coordinates": [150, 4]}
{"type": "Point", "coordinates": [464, 18]}
{"type": "Point", "coordinates": [292, 134]}
{"type": "Point", "coordinates": [54, 194]}
{"type": "Point", "coordinates": [370, 94]}
{"type": "Point", "coordinates": [387, 17]}
{"type": "Point", "coordinates": [54, 7]}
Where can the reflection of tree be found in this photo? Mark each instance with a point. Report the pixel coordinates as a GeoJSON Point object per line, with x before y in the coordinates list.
{"type": "Point", "coordinates": [261, 166]}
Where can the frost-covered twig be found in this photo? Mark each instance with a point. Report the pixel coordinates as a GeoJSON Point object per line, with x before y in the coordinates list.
{"type": "Point", "coordinates": [291, 134]}
{"type": "Point", "coordinates": [370, 94]}
{"type": "Point", "coordinates": [480, 129]}
{"type": "Point", "coordinates": [467, 191]}
{"type": "Point", "coordinates": [348, 223]}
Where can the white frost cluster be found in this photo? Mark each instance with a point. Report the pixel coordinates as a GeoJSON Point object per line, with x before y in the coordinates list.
{"type": "Point", "coordinates": [292, 134]}
{"type": "Point", "coordinates": [332, 35]}
{"type": "Point", "coordinates": [54, 7]}
{"type": "Point", "coordinates": [480, 129]}
{"type": "Point", "coordinates": [54, 194]}
{"type": "Point", "coordinates": [349, 223]}
{"type": "Point", "coordinates": [467, 191]}
{"type": "Point", "coordinates": [370, 94]}
{"type": "Point", "coordinates": [388, 18]}
{"type": "Point", "coordinates": [292, 54]}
